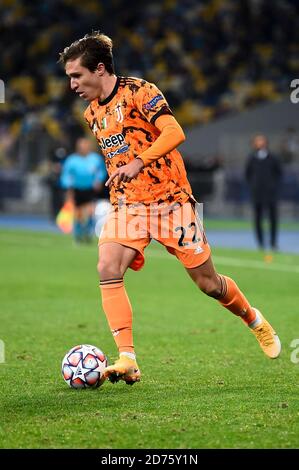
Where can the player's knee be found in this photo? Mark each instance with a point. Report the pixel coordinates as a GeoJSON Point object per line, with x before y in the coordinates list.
{"type": "Point", "coordinates": [109, 270]}
{"type": "Point", "coordinates": [209, 286]}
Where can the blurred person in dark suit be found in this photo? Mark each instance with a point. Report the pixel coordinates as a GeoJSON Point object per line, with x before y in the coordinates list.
{"type": "Point", "coordinates": [263, 174]}
{"type": "Point", "coordinates": [52, 179]}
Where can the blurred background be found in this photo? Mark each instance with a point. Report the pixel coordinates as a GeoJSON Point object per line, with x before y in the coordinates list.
{"type": "Point", "coordinates": [225, 66]}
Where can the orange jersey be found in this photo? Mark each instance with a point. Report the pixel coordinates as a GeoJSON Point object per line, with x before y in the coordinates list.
{"type": "Point", "coordinates": [124, 125]}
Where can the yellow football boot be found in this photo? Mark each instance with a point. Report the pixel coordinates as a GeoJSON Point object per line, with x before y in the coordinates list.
{"type": "Point", "coordinates": [267, 337]}
{"type": "Point", "coordinates": [124, 369]}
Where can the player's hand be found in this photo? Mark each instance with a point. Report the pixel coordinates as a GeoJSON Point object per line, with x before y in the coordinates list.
{"type": "Point", "coordinates": [127, 172]}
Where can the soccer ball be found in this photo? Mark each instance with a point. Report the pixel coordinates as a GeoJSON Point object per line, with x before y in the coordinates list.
{"type": "Point", "coordinates": [83, 366]}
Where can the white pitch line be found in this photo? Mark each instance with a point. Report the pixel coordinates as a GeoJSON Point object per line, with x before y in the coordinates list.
{"type": "Point", "coordinates": [240, 263]}
{"type": "Point", "coordinates": [222, 260]}
{"type": "Point", "coordinates": [255, 264]}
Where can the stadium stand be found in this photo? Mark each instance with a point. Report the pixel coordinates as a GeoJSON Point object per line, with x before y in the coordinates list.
{"type": "Point", "coordinates": [211, 58]}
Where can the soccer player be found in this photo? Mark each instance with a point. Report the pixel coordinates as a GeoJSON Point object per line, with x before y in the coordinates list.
{"type": "Point", "coordinates": [83, 174]}
{"type": "Point", "coordinates": [138, 136]}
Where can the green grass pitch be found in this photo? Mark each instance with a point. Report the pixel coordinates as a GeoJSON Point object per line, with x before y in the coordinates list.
{"type": "Point", "coordinates": [205, 383]}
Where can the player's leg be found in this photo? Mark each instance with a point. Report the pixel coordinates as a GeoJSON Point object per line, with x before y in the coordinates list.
{"type": "Point", "coordinates": [226, 291]}
{"type": "Point", "coordinates": [114, 260]}
{"type": "Point", "coordinates": [193, 251]}
{"type": "Point", "coordinates": [273, 213]}
{"type": "Point", "coordinates": [78, 223]}
{"type": "Point", "coordinates": [79, 198]}
{"type": "Point", "coordinates": [258, 224]}
{"type": "Point", "coordinates": [88, 220]}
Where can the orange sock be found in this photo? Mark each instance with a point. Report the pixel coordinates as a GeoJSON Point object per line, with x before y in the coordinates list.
{"type": "Point", "coordinates": [118, 310]}
{"type": "Point", "coordinates": [235, 301]}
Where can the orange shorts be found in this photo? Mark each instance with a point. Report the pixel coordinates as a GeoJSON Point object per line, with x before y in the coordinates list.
{"type": "Point", "coordinates": [177, 227]}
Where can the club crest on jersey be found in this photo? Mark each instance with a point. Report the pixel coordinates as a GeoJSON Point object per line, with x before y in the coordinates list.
{"type": "Point", "coordinates": [119, 113]}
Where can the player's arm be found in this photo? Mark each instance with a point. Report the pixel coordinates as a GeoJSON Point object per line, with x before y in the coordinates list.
{"type": "Point", "coordinates": [171, 136]}
{"type": "Point", "coordinates": [151, 103]}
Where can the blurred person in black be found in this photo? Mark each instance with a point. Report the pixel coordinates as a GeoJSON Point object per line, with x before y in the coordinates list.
{"type": "Point", "coordinates": [56, 162]}
{"type": "Point", "coordinates": [263, 174]}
